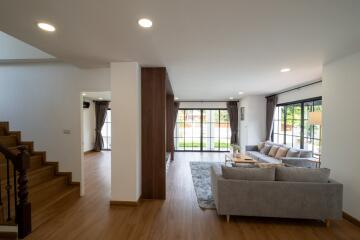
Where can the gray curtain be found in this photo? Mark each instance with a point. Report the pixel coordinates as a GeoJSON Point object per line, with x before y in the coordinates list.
{"type": "Point", "coordinates": [101, 108]}
{"type": "Point", "coordinates": [271, 102]}
{"type": "Point", "coordinates": [232, 108]}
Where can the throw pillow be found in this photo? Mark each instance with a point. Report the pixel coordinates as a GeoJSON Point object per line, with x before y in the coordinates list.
{"type": "Point", "coordinates": [282, 151]}
{"type": "Point", "coordinates": [252, 174]}
{"type": "Point", "coordinates": [261, 145]}
{"type": "Point", "coordinates": [293, 153]}
{"type": "Point", "coordinates": [273, 151]}
{"type": "Point", "coordinates": [265, 150]}
{"type": "Point", "coordinates": [297, 174]}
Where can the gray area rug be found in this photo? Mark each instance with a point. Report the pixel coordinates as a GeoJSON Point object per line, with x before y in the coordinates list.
{"type": "Point", "coordinates": [200, 172]}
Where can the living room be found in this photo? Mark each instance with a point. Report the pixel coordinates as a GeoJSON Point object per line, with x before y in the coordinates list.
{"type": "Point", "coordinates": [251, 103]}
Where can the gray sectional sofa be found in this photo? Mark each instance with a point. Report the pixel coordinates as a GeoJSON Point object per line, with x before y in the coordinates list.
{"type": "Point", "coordinates": [294, 157]}
{"type": "Point", "coordinates": [284, 192]}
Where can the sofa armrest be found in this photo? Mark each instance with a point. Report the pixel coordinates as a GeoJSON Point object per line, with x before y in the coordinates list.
{"type": "Point", "coordinates": [216, 176]}
{"type": "Point", "coordinates": [251, 148]}
{"type": "Point", "coordinates": [300, 162]}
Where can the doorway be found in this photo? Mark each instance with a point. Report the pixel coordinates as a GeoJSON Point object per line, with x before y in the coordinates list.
{"type": "Point", "coordinates": [90, 101]}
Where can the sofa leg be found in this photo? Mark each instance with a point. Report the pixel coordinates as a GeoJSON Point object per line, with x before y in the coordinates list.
{"type": "Point", "coordinates": [327, 222]}
{"type": "Point", "coordinates": [228, 218]}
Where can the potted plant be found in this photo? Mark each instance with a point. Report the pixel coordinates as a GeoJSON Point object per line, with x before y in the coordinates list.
{"type": "Point", "coordinates": [235, 150]}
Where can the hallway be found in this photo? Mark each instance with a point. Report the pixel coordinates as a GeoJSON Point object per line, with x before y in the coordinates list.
{"type": "Point", "coordinates": [179, 217]}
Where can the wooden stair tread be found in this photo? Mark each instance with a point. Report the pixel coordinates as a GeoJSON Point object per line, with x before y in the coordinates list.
{"type": "Point", "coordinates": [9, 141]}
{"type": "Point", "coordinates": [2, 131]}
{"type": "Point", "coordinates": [50, 208]}
{"type": "Point", "coordinates": [48, 171]}
{"type": "Point", "coordinates": [48, 189]}
{"type": "Point", "coordinates": [8, 236]}
{"type": "Point", "coordinates": [59, 181]}
{"type": "Point", "coordinates": [36, 162]}
{"type": "Point", "coordinates": [42, 193]}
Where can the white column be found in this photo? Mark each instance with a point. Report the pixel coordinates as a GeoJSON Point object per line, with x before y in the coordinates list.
{"type": "Point", "coordinates": [126, 132]}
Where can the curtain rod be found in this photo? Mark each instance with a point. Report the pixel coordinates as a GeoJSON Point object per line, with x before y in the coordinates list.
{"type": "Point", "coordinates": [207, 101]}
{"type": "Point", "coordinates": [295, 88]}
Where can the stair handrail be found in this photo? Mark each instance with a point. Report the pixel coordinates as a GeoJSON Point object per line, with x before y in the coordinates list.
{"type": "Point", "coordinates": [20, 158]}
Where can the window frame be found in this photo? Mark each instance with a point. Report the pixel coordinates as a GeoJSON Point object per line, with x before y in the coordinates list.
{"type": "Point", "coordinates": [302, 124]}
{"type": "Point", "coordinates": [202, 138]}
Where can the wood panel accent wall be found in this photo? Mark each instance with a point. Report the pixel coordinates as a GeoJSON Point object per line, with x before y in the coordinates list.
{"type": "Point", "coordinates": [170, 100]}
{"type": "Point", "coordinates": [170, 125]}
{"type": "Point", "coordinates": [153, 132]}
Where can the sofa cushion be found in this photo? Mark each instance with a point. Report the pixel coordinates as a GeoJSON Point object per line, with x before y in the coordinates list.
{"type": "Point", "coordinates": [295, 174]}
{"type": "Point", "coordinates": [305, 153]}
{"type": "Point", "coordinates": [254, 155]}
{"type": "Point", "coordinates": [253, 174]}
{"type": "Point", "coordinates": [268, 159]}
{"type": "Point", "coordinates": [273, 151]}
{"type": "Point", "coordinates": [261, 145]}
{"type": "Point", "coordinates": [266, 149]}
{"type": "Point", "coordinates": [281, 152]}
{"type": "Point", "coordinates": [293, 153]}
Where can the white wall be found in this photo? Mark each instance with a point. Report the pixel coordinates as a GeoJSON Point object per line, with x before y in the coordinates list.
{"type": "Point", "coordinates": [89, 126]}
{"type": "Point", "coordinates": [42, 100]}
{"type": "Point", "coordinates": [341, 114]}
{"type": "Point", "coordinates": [252, 128]}
{"type": "Point", "coordinates": [126, 132]}
{"type": "Point", "coordinates": [202, 104]}
{"type": "Point", "coordinates": [311, 91]}
{"type": "Point", "coordinates": [14, 49]}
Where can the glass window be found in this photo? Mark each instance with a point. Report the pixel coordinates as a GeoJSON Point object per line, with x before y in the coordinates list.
{"type": "Point", "coordinates": [291, 125]}
{"type": "Point", "coordinates": [202, 130]}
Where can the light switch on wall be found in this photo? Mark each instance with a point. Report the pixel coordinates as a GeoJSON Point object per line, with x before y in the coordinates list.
{"type": "Point", "coordinates": [67, 131]}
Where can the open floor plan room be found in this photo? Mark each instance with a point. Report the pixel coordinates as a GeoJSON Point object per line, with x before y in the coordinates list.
{"type": "Point", "coordinates": [180, 120]}
{"type": "Point", "coordinates": [178, 217]}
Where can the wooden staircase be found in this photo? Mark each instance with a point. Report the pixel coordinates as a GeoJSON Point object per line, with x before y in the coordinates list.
{"type": "Point", "coordinates": [46, 185]}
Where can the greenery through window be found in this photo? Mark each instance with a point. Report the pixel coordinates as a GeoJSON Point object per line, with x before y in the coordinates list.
{"type": "Point", "coordinates": [202, 130]}
{"type": "Point", "coordinates": [291, 126]}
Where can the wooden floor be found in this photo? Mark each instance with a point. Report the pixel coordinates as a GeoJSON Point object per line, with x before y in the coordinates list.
{"type": "Point", "coordinates": [179, 217]}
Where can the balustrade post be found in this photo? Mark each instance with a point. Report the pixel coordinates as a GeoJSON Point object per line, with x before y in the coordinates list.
{"type": "Point", "coordinates": [23, 207]}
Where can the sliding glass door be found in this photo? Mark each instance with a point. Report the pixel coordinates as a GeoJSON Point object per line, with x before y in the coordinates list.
{"type": "Point", "coordinates": [202, 130]}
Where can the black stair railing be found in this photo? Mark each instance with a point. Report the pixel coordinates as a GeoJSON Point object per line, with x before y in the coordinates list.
{"type": "Point", "coordinates": [20, 160]}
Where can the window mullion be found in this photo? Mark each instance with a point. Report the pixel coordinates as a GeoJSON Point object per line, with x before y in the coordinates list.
{"type": "Point", "coordinates": [302, 124]}
{"type": "Point", "coordinates": [285, 113]}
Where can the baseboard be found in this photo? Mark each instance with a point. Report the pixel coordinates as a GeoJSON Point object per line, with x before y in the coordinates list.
{"type": "Point", "coordinates": [90, 151]}
{"type": "Point", "coordinates": [124, 203]}
{"type": "Point", "coordinates": [351, 219]}
{"type": "Point", "coordinates": [75, 183]}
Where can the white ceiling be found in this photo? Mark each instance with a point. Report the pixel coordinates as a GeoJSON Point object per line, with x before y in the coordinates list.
{"type": "Point", "coordinates": [212, 48]}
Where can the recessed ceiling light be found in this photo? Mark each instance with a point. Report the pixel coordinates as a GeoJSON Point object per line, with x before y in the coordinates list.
{"type": "Point", "coordinates": [284, 70]}
{"type": "Point", "coordinates": [240, 93]}
{"type": "Point", "coordinates": [145, 23]}
{"type": "Point", "coordinates": [176, 98]}
{"type": "Point", "coordinates": [100, 98]}
{"type": "Point", "coordinates": [84, 94]}
{"type": "Point", "coordinates": [46, 27]}
{"type": "Point", "coordinates": [231, 98]}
